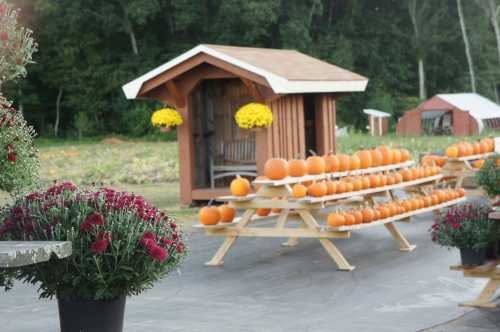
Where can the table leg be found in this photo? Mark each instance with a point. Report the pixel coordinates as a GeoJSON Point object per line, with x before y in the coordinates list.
{"type": "Point", "coordinates": [484, 298]}
{"type": "Point", "coordinates": [217, 259]}
{"type": "Point", "coordinates": [404, 245]}
{"type": "Point", "coordinates": [328, 245]}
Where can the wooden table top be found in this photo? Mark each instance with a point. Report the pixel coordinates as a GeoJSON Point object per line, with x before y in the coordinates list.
{"type": "Point", "coordinates": [22, 253]}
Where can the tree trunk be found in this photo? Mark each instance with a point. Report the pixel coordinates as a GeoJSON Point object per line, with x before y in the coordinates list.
{"type": "Point", "coordinates": [494, 22]}
{"type": "Point", "coordinates": [422, 93]}
{"type": "Point", "coordinates": [467, 47]}
{"type": "Point", "coordinates": [58, 111]}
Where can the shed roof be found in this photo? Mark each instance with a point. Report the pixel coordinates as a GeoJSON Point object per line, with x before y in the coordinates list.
{"type": "Point", "coordinates": [287, 71]}
{"type": "Point", "coordinates": [378, 114]}
{"type": "Point", "coordinates": [478, 106]}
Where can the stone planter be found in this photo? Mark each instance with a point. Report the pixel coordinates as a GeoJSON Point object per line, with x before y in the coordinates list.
{"type": "Point", "coordinates": [91, 316]}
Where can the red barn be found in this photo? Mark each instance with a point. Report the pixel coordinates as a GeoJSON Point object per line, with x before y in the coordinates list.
{"type": "Point", "coordinates": [451, 114]}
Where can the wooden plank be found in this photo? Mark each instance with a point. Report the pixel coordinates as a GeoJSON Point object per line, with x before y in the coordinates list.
{"type": "Point", "coordinates": [277, 232]}
{"type": "Point", "coordinates": [177, 94]}
{"type": "Point", "coordinates": [395, 218]}
{"type": "Point", "coordinates": [404, 245]}
{"type": "Point", "coordinates": [292, 180]}
{"type": "Point", "coordinates": [273, 203]}
{"type": "Point", "coordinates": [473, 157]}
{"type": "Point", "coordinates": [310, 199]}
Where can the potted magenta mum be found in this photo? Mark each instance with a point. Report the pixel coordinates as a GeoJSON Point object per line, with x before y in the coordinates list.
{"type": "Point", "coordinates": [121, 246]}
{"type": "Point", "coordinates": [468, 228]}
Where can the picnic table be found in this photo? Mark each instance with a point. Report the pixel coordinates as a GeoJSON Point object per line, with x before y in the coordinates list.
{"type": "Point", "coordinates": [22, 253]}
{"type": "Point", "coordinates": [308, 210]}
{"type": "Point", "coordinates": [460, 168]}
{"type": "Point", "coordinates": [491, 271]}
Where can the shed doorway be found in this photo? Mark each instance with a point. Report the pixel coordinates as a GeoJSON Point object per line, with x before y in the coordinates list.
{"type": "Point", "coordinates": [310, 123]}
{"type": "Point", "coordinates": [221, 148]}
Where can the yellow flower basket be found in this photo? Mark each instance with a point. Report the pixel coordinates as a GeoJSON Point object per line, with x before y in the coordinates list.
{"type": "Point", "coordinates": [166, 118]}
{"type": "Point", "coordinates": [254, 115]}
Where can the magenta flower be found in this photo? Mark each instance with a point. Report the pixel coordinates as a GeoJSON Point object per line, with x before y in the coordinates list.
{"type": "Point", "coordinates": [99, 246]}
{"type": "Point", "coordinates": [158, 253]}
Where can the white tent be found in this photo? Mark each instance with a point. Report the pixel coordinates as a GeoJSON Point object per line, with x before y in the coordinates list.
{"type": "Point", "coordinates": [480, 108]}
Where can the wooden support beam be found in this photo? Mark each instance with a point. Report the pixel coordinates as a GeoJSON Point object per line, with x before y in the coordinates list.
{"type": "Point", "coordinates": [180, 99]}
{"type": "Point", "coordinates": [253, 89]}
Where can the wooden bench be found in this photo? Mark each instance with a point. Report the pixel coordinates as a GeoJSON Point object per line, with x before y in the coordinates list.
{"type": "Point", "coordinates": [238, 158]}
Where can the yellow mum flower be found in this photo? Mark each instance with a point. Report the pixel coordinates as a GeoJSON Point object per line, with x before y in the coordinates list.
{"type": "Point", "coordinates": [166, 117]}
{"type": "Point", "coordinates": [254, 115]}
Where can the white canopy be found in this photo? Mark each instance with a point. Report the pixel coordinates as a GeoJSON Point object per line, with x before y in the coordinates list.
{"type": "Point", "coordinates": [378, 114]}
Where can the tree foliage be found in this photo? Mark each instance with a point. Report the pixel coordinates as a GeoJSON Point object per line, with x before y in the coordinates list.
{"type": "Point", "coordinates": [88, 49]}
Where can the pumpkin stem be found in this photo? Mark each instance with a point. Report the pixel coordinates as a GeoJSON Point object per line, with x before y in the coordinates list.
{"type": "Point", "coordinates": [311, 151]}
{"type": "Point", "coordinates": [210, 202]}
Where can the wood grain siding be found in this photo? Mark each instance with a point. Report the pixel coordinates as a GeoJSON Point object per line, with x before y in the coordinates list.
{"type": "Point", "coordinates": [325, 123]}
{"type": "Point", "coordinates": [285, 138]}
{"type": "Point", "coordinates": [186, 154]}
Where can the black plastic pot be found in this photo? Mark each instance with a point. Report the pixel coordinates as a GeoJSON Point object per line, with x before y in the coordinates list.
{"type": "Point", "coordinates": [472, 257]}
{"type": "Point", "coordinates": [492, 251]}
{"type": "Point", "coordinates": [91, 316]}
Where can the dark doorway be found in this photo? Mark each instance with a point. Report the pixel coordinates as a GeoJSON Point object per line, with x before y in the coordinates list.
{"type": "Point", "coordinates": [310, 123]}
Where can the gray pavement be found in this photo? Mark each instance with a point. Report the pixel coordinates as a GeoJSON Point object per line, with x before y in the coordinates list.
{"type": "Point", "coordinates": [266, 287]}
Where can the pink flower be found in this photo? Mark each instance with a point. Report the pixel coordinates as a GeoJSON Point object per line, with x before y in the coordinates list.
{"type": "Point", "coordinates": [12, 157]}
{"type": "Point", "coordinates": [147, 243]}
{"type": "Point", "coordinates": [86, 226]}
{"type": "Point", "coordinates": [455, 225]}
{"type": "Point", "coordinates": [149, 235]}
{"type": "Point", "coordinates": [99, 246]}
{"type": "Point", "coordinates": [4, 36]}
{"type": "Point", "coordinates": [180, 248]}
{"type": "Point", "coordinates": [33, 197]}
{"type": "Point", "coordinates": [104, 236]}
{"type": "Point", "coordinates": [95, 218]}
{"type": "Point", "coordinates": [167, 241]}
{"type": "Point", "coordinates": [158, 253]}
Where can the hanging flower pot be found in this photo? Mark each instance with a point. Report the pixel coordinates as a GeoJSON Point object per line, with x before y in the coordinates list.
{"type": "Point", "coordinates": [254, 116]}
{"type": "Point", "coordinates": [165, 119]}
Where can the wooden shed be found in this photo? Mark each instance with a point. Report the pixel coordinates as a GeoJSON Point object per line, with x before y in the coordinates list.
{"type": "Point", "coordinates": [378, 122]}
{"type": "Point", "coordinates": [208, 84]}
{"type": "Point", "coordinates": [451, 114]}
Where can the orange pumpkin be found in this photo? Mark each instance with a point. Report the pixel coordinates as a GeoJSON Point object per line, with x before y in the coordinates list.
{"type": "Point", "coordinates": [427, 201]}
{"type": "Point", "coordinates": [276, 169]}
{"type": "Point", "coordinates": [262, 212]}
{"type": "Point", "coordinates": [358, 216]}
{"type": "Point", "coordinates": [478, 163]}
{"type": "Point", "coordinates": [406, 174]}
{"type": "Point", "coordinates": [393, 208]}
{"type": "Point", "coordinates": [374, 181]}
{"type": "Point", "coordinates": [297, 167]}
{"type": "Point", "coordinates": [344, 162]}
{"type": "Point", "coordinates": [349, 187]}
{"type": "Point", "coordinates": [452, 151]}
{"type": "Point", "coordinates": [331, 187]}
{"type": "Point", "coordinates": [476, 147]}
{"type": "Point", "coordinates": [405, 155]}
{"type": "Point", "coordinates": [441, 195]}
{"type": "Point", "coordinates": [384, 212]}
{"type": "Point", "coordinates": [407, 205]}
{"type": "Point", "coordinates": [383, 180]}
{"type": "Point", "coordinates": [491, 144]}
{"type": "Point", "coordinates": [209, 215]}
{"type": "Point", "coordinates": [427, 172]}
{"type": "Point", "coordinates": [483, 146]}
{"type": "Point", "coordinates": [354, 163]}
{"type": "Point", "coordinates": [226, 212]}
{"type": "Point", "coordinates": [440, 161]}
{"type": "Point", "coordinates": [299, 190]}
{"type": "Point", "coordinates": [317, 189]}
{"type": "Point", "coordinates": [469, 149]}
{"type": "Point", "coordinates": [391, 179]}
{"type": "Point", "coordinates": [368, 215]}
{"type": "Point", "coordinates": [341, 187]}
{"type": "Point", "coordinates": [461, 192]}
{"type": "Point", "coordinates": [335, 220]}
{"type": "Point", "coordinates": [357, 184]}
{"type": "Point", "coordinates": [398, 177]}
{"type": "Point", "coordinates": [240, 186]}
{"type": "Point", "coordinates": [428, 160]}
{"type": "Point", "coordinates": [315, 165]}
{"type": "Point", "coordinates": [365, 158]}
{"type": "Point", "coordinates": [396, 156]}
{"type": "Point", "coordinates": [349, 219]}
{"type": "Point", "coordinates": [435, 199]}
{"type": "Point", "coordinates": [387, 154]}
{"type": "Point", "coordinates": [377, 158]}
{"type": "Point", "coordinates": [366, 182]}
{"type": "Point", "coordinates": [462, 150]}
{"type": "Point", "coordinates": [331, 163]}
{"type": "Point", "coordinates": [414, 173]}
{"type": "Point", "coordinates": [377, 214]}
